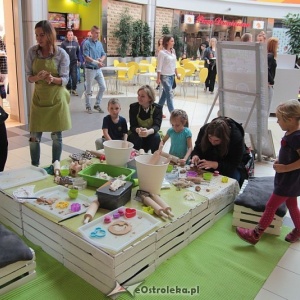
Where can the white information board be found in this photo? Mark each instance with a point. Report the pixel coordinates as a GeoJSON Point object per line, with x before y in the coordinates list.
{"type": "Point", "coordinates": [243, 90]}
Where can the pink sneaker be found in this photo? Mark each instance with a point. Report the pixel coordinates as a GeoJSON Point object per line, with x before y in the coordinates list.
{"type": "Point", "coordinates": [248, 235]}
{"type": "Point", "coordinates": [293, 236]}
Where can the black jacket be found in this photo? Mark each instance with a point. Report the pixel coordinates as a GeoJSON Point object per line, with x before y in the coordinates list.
{"type": "Point", "coordinates": [272, 65]}
{"type": "Point", "coordinates": [133, 113]}
{"type": "Point", "coordinates": [233, 159]}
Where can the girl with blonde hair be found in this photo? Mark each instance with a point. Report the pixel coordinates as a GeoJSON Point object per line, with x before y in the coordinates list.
{"type": "Point", "coordinates": [287, 177]}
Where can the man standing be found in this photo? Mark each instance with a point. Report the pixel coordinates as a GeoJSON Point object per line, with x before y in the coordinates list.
{"type": "Point", "coordinates": [94, 56]}
{"type": "Point", "coordinates": [81, 58]}
{"type": "Point", "coordinates": [72, 48]}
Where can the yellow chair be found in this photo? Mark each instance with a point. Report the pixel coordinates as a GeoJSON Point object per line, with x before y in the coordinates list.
{"type": "Point", "coordinates": [152, 78]}
{"type": "Point", "coordinates": [136, 65]}
{"type": "Point", "coordinates": [178, 64]}
{"type": "Point", "coordinates": [154, 61]}
{"type": "Point", "coordinates": [201, 63]}
{"type": "Point", "coordinates": [129, 76]}
{"type": "Point", "coordinates": [190, 70]}
{"type": "Point", "coordinates": [121, 73]}
{"type": "Point", "coordinates": [180, 82]}
{"type": "Point", "coordinates": [116, 62]}
{"type": "Point", "coordinates": [144, 61]}
{"type": "Point", "coordinates": [202, 77]}
{"type": "Point", "coordinates": [144, 67]}
{"type": "Point", "coordinates": [184, 61]}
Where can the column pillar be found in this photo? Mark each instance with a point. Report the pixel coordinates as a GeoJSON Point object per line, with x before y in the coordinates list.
{"type": "Point", "coordinates": [33, 11]}
{"type": "Point", "coordinates": [150, 19]}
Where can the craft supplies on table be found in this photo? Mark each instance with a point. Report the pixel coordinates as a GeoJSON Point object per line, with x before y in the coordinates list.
{"type": "Point", "coordinates": [110, 200]}
{"type": "Point", "coordinates": [12, 178]}
{"type": "Point", "coordinates": [89, 174]}
{"type": "Point", "coordinates": [140, 224]}
{"type": "Point", "coordinates": [56, 201]}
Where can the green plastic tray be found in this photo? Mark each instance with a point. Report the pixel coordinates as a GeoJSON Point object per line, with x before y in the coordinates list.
{"type": "Point", "coordinates": [89, 173]}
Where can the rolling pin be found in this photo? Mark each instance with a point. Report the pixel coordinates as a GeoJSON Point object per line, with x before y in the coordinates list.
{"type": "Point", "coordinates": [167, 209]}
{"type": "Point", "coordinates": [90, 213]}
{"type": "Point", "coordinates": [56, 167]}
{"type": "Point", "coordinates": [157, 209]}
{"type": "Point", "coordinates": [154, 158]}
{"type": "Point", "coordinates": [96, 153]}
{"type": "Point", "coordinates": [125, 144]}
{"type": "Point", "coordinates": [173, 158]}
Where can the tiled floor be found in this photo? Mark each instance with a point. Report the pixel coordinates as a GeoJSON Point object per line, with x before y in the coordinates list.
{"type": "Point", "coordinates": [284, 281]}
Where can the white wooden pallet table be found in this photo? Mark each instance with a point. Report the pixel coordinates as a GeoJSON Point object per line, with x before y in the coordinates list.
{"type": "Point", "coordinates": [102, 267]}
{"type": "Point", "coordinates": [17, 274]}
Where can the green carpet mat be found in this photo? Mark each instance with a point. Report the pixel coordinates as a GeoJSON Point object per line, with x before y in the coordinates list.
{"type": "Point", "coordinates": [218, 265]}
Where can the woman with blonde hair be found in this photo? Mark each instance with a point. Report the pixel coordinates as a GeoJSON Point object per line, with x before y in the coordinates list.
{"type": "Point", "coordinates": [272, 47]}
{"type": "Point", "coordinates": [261, 37]}
{"type": "Point", "coordinates": [145, 119]}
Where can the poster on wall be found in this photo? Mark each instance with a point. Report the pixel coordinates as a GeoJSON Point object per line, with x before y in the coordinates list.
{"type": "Point", "coordinates": [73, 21]}
{"type": "Point", "coordinates": [58, 20]}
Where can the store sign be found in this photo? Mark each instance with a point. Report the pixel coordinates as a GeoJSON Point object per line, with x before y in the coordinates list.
{"type": "Point", "coordinates": [258, 25]}
{"type": "Point", "coordinates": [220, 22]}
{"type": "Point", "coordinates": [189, 19]}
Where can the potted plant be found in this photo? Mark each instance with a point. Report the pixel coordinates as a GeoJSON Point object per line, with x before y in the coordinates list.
{"type": "Point", "coordinates": [146, 40]}
{"type": "Point", "coordinates": [292, 23]}
{"type": "Point", "coordinates": [123, 33]}
{"type": "Point", "coordinates": [136, 44]}
{"type": "Point", "coordinates": [165, 30]}
{"type": "Point", "coordinates": [178, 45]}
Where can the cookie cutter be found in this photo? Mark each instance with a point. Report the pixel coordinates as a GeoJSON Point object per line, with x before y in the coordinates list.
{"type": "Point", "coordinates": [98, 233]}
{"type": "Point", "coordinates": [148, 209]}
{"type": "Point", "coordinates": [130, 212]}
{"type": "Point", "coordinates": [75, 207]}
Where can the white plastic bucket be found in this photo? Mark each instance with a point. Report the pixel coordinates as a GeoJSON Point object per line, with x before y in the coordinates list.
{"type": "Point", "coordinates": [151, 176]}
{"type": "Point", "coordinates": [115, 152]}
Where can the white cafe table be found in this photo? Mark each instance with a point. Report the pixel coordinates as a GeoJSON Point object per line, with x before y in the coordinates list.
{"type": "Point", "coordinates": [115, 69]}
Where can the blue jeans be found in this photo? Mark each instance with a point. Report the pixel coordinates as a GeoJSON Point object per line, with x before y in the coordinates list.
{"type": "Point", "coordinates": [78, 74]}
{"type": "Point", "coordinates": [35, 148]}
{"type": "Point", "coordinates": [167, 94]}
{"type": "Point", "coordinates": [72, 84]}
{"type": "Point", "coordinates": [90, 75]}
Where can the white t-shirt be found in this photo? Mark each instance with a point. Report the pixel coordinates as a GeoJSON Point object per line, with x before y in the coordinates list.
{"type": "Point", "coordinates": [166, 62]}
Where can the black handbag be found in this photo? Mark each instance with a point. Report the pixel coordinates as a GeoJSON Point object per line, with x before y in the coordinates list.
{"type": "Point", "coordinates": [3, 115]}
{"type": "Point", "coordinates": [174, 84]}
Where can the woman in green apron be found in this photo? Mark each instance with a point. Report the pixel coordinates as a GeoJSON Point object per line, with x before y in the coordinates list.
{"type": "Point", "coordinates": [48, 67]}
{"type": "Point", "coordinates": [145, 118]}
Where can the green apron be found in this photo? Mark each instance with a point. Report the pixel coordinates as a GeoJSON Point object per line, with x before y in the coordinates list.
{"type": "Point", "coordinates": [50, 110]}
{"type": "Point", "coordinates": [148, 122]}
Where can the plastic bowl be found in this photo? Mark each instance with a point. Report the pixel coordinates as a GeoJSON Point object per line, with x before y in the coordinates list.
{"type": "Point", "coordinates": [64, 171]}
{"type": "Point", "coordinates": [191, 174]}
{"type": "Point", "coordinates": [207, 176]}
{"type": "Point", "coordinates": [117, 153]}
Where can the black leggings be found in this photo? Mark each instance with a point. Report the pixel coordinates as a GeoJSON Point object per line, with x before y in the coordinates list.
{"type": "Point", "coordinates": [211, 78]}
{"type": "Point", "coordinates": [3, 146]}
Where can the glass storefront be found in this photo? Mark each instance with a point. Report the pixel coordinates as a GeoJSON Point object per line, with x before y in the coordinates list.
{"type": "Point", "coordinates": [198, 28]}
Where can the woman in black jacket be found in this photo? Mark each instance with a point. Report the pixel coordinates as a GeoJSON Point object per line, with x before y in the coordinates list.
{"type": "Point", "coordinates": [145, 119]}
{"type": "Point", "coordinates": [272, 47]}
{"type": "Point", "coordinates": [209, 57]}
{"type": "Point", "coordinates": [220, 146]}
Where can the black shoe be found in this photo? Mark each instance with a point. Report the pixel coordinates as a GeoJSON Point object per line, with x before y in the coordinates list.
{"type": "Point", "coordinates": [98, 108]}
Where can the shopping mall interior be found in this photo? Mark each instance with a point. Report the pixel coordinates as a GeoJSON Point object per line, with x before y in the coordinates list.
{"type": "Point", "coordinates": [225, 20]}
